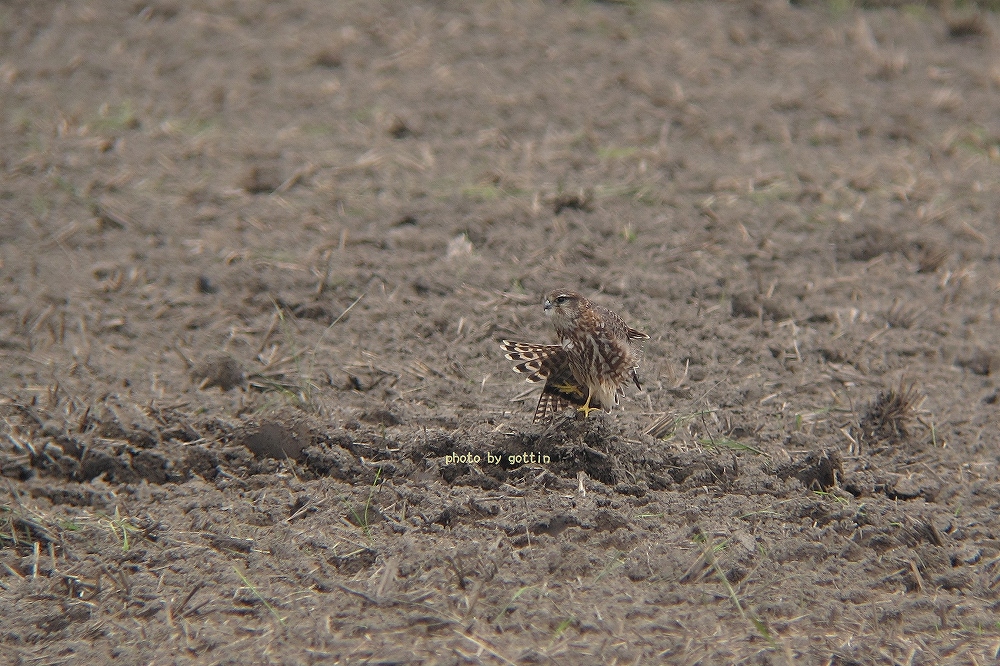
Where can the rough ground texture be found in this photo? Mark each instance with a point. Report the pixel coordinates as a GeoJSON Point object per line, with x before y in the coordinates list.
{"type": "Point", "coordinates": [256, 259]}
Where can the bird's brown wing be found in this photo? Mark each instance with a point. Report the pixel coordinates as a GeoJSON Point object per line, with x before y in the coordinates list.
{"type": "Point", "coordinates": [548, 362]}
{"type": "Point", "coordinates": [536, 361]}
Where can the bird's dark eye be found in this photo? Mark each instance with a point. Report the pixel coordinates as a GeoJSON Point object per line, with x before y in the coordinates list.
{"type": "Point", "coordinates": [561, 299]}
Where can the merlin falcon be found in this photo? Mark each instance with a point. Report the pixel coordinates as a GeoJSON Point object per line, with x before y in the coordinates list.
{"type": "Point", "coordinates": [597, 354]}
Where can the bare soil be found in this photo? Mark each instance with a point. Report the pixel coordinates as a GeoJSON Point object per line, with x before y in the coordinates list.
{"type": "Point", "coordinates": [256, 260]}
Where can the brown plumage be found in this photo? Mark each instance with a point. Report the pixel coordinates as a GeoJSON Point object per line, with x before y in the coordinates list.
{"type": "Point", "coordinates": [549, 363]}
{"type": "Point", "coordinates": [596, 355]}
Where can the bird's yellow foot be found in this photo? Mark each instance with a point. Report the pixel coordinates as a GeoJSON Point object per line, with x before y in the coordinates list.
{"type": "Point", "coordinates": [586, 408]}
{"type": "Point", "coordinates": [570, 389]}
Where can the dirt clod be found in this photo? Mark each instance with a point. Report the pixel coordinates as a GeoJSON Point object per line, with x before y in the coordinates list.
{"type": "Point", "coordinates": [979, 362]}
{"type": "Point", "coordinates": [262, 179]}
{"type": "Point", "coordinates": [220, 370]}
{"type": "Point", "coordinates": [275, 440]}
{"type": "Point", "coordinates": [868, 243]}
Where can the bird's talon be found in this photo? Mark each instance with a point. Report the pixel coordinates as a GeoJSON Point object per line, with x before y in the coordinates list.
{"type": "Point", "coordinates": [586, 408]}
{"type": "Point", "coordinates": [570, 389]}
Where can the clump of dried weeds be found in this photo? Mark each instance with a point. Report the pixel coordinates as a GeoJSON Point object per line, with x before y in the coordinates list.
{"type": "Point", "coordinates": [889, 417]}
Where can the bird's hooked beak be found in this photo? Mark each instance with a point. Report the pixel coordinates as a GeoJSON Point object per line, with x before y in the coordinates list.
{"type": "Point", "coordinates": [547, 306]}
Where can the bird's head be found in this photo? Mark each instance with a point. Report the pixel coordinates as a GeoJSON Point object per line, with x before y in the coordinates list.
{"type": "Point", "coordinates": [564, 306]}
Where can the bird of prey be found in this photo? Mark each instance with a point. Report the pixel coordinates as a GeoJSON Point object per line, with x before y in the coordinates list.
{"type": "Point", "coordinates": [597, 354]}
